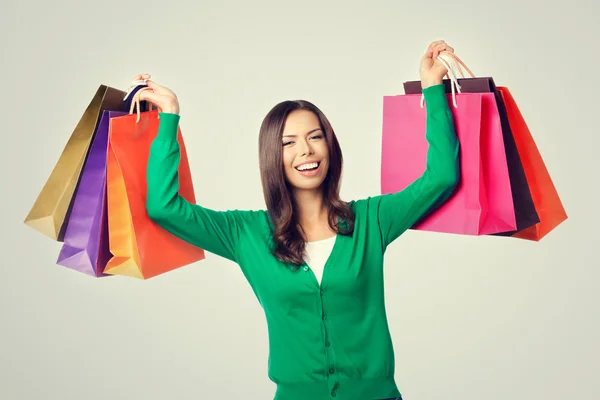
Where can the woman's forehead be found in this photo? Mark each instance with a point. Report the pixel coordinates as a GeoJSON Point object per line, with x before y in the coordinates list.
{"type": "Point", "coordinates": [301, 122]}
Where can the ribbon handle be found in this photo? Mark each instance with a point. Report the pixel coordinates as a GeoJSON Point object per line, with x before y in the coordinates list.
{"type": "Point", "coordinates": [454, 66]}
{"type": "Point", "coordinates": [132, 98]}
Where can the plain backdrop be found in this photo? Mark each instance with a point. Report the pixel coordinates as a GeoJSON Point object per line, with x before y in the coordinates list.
{"type": "Point", "coordinates": [471, 317]}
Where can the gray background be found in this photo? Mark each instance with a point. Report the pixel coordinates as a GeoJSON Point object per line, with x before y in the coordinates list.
{"type": "Point", "coordinates": [471, 318]}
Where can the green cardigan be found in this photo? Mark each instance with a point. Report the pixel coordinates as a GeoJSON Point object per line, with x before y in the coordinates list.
{"type": "Point", "coordinates": [329, 340]}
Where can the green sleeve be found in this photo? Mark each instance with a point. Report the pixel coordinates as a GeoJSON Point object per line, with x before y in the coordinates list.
{"type": "Point", "coordinates": [215, 231]}
{"type": "Point", "coordinates": [398, 211]}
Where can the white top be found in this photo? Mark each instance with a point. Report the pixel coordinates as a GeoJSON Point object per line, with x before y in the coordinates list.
{"type": "Point", "coordinates": [317, 253]}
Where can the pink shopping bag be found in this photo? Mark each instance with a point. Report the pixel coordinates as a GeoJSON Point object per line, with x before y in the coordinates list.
{"type": "Point", "coordinates": [482, 203]}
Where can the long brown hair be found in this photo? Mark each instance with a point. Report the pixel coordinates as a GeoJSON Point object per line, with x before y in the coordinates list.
{"type": "Point", "coordinates": [287, 236]}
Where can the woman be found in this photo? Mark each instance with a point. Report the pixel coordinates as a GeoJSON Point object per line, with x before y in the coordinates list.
{"type": "Point", "coordinates": [314, 261]}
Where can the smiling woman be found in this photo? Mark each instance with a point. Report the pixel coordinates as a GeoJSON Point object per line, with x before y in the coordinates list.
{"type": "Point", "coordinates": [327, 324]}
{"type": "Point", "coordinates": [312, 166]}
{"type": "Point", "coordinates": [305, 153]}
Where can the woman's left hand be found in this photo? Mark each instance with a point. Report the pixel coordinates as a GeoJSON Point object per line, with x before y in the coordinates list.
{"type": "Point", "coordinates": [432, 71]}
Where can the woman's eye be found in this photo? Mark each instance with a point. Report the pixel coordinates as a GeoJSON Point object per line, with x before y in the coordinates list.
{"type": "Point", "coordinates": [286, 143]}
{"type": "Point", "coordinates": [317, 137]}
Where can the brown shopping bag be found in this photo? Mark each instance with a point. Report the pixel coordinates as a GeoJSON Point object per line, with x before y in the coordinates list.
{"type": "Point", "coordinates": [51, 208]}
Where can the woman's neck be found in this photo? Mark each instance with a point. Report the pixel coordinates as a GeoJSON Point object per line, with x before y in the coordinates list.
{"type": "Point", "coordinates": [313, 214]}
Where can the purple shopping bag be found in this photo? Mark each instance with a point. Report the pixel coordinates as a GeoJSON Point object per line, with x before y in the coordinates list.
{"type": "Point", "coordinates": [482, 203]}
{"type": "Point", "coordinates": [85, 248]}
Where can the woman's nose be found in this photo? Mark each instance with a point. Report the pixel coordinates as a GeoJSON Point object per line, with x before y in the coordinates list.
{"type": "Point", "coordinates": [305, 149]}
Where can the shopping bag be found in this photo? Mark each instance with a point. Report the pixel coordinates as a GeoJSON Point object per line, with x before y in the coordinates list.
{"type": "Point", "coordinates": [140, 248]}
{"type": "Point", "coordinates": [525, 212]}
{"type": "Point", "coordinates": [545, 196]}
{"type": "Point", "coordinates": [482, 202]}
{"type": "Point", "coordinates": [85, 248]}
{"type": "Point", "coordinates": [49, 212]}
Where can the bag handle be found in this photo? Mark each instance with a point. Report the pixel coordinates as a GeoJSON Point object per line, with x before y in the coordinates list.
{"type": "Point", "coordinates": [458, 64]}
{"type": "Point", "coordinates": [453, 64]}
{"type": "Point", "coordinates": [134, 89]}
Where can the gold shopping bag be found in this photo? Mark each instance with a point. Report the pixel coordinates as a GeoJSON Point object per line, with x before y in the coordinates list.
{"type": "Point", "coordinates": [51, 208]}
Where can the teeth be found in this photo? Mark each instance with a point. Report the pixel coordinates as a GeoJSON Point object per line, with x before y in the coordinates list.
{"type": "Point", "coordinates": [307, 166]}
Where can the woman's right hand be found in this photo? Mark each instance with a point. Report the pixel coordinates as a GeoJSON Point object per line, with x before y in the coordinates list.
{"type": "Point", "coordinates": [164, 99]}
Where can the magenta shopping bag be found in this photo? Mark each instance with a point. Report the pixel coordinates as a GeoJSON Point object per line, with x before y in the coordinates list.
{"type": "Point", "coordinates": [86, 248]}
{"type": "Point", "coordinates": [482, 203]}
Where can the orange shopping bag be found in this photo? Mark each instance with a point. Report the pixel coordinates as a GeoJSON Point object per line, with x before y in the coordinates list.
{"type": "Point", "coordinates": [140, 247]}
{"type": "Point", "coordinates": [543, 192]}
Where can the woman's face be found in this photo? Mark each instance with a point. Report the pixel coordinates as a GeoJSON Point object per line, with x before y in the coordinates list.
{"type": "Point", "coordinates": [305, 152]}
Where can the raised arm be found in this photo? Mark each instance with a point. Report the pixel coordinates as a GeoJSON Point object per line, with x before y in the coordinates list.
{"type": "Point", "coordinates": [396, 212]}
{"type": "Point", "coordinates": [215, 231]}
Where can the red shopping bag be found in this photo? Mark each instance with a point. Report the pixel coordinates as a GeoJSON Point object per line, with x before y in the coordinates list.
{"type": "Point", "coordinates": [545, 196]}
{"type": "Point", "coordinates": [140, 247]}
{"type": "Point", "coordinates": [482, 203]}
